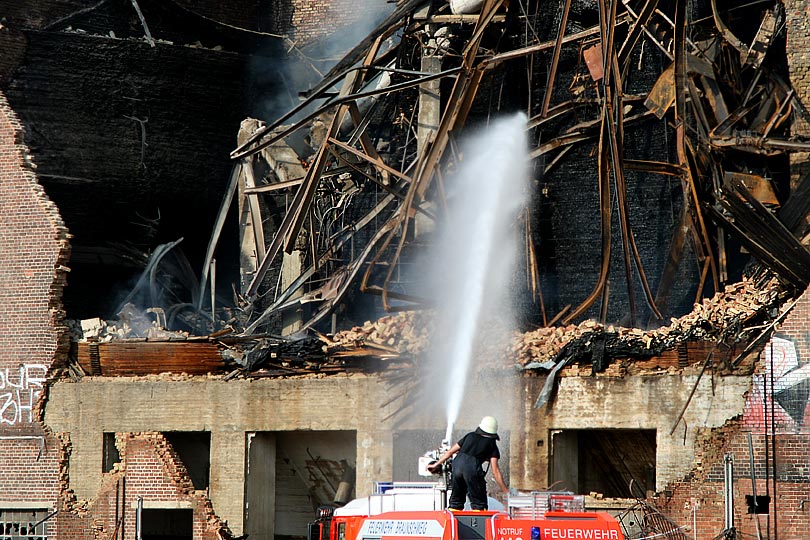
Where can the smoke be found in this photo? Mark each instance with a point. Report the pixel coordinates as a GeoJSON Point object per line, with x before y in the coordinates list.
{"type": "Point", "coordinates": [281, 72]}
{"type": "Point", "coordinates": [473, 262]}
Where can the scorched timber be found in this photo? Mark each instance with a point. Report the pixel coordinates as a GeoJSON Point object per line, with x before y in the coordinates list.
{"type": "Point", "coordinates": [117, 358]}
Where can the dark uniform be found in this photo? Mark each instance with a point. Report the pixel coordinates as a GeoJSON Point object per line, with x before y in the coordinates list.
{"type": "Point", "coordinates": [477, 447]}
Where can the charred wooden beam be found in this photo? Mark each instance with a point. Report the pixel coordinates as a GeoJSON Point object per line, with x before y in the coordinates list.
{"type": "Point", "coordinates": [764, 235]}
{"type": "Point", "coordinates": [794, 213]}
{"type": "Point", "coordinates": [756, 144]}
{"type": "Point", "coordinates": [555, 60]}
{"type": "Point", "coordinates": [319, 259]}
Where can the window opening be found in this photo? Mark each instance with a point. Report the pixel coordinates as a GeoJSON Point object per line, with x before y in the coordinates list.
{"type": "Point", "coordinates": [111, 453]}
{"type": "Point", "coordinates": [23, 524]}
{"type": "Point", "coordinates": [194, 449]}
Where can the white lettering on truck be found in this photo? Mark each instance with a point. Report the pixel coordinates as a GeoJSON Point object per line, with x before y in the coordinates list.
{"type": "Point", "coordinates": [378, 528]}
{"type": "Point", "coordinates": [510, 533]}
{"type": "Point", "coordinates": [580, 534]}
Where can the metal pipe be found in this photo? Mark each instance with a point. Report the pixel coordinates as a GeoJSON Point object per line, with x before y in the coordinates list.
{"type": "Point", "coordinates": [728, 491]}
{"type": "Point", "coordinates": [213, 273]}
{"type": "Point", "coordinates": [753, 484]}
{"type": "Point", "coordinates": [773, 454]}
{"type": "Point", "coordinates": [123, 507]}
{"type": "Point", "coordinates": [138, 518]}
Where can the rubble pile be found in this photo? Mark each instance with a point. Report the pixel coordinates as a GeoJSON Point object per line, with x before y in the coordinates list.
{"type": "Point", "coordinates": [722, 318]}
{"type": "Point", "coordinates": [728, 317]}
{"type": "Point", "coordinates": [404, 333]}
{"type": "Point", "coordinates": [132, 324]}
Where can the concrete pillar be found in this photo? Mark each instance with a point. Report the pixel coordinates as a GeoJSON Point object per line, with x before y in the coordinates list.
{"type": "Point", "coordinates": [86, 457]}
{"type": "Point", "coordinates": [430, 111]}
{"type": "Point", "coordinates": [260, 486]}
{"type": "Point", "coordinates": [375, 459]}
{"type": "Point", "coordinates": [429, 98]}
{"type": "Point", "coordinates": [227, 481]}
{"type": "Point", "coordinates": [291, 268]}
{"type": "Point", "coordinates": [529, 450]}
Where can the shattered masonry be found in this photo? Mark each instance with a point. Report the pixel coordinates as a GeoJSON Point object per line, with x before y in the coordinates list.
{"type": "Point", "coordinates": [662, 283]}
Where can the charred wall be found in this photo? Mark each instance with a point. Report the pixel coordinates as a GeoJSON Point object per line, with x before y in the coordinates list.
{"type": "Point", "coordinates": [566, 207]}
{"type": "Point", "coordinates": [132, 156]}
{"type": "Point", "coordinates": [799, 65]}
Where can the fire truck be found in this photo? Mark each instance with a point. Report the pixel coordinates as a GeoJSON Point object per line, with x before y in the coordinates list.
{"type": "Point", "coordinates": [417, 511]}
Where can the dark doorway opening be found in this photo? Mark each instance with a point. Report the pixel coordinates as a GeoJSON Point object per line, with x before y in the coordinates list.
{"type": "Point", "coordinates": [167, 523]}
{"type": "Point", "coordinates": [613, 462]}
{"type": "Point", "coordinates": [290, 474]}
{"type": "Point", "coordinates": [111, 454]}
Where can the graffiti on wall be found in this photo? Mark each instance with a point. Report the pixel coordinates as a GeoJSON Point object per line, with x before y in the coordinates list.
{"type": "Point", "coordinates": [779, 400]}
{"type": "Point", "coordinates": [19, 391]}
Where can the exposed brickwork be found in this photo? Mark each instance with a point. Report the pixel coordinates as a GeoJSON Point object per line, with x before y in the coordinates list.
{"type": "Point", "coordinates": [779, 438]}
{"type": "Point", "coordinates": [30, 470]}
{"type": "Point", "coordinates": [12, 43]}
{"type": "Point", "coordinates": [796, 328]}
{"type": "Point", "coordinates": [33, 250]}
{"type": "Point", "coordinates": [798, 43]}
{"type": "Point", "coordinates": [241, 13]}
{"type": "Point", "coordinates": [313, 20]}
{"type": "Point", "coordinates": [151, 469]}
{"type": "Point", "coordinates": [700, 497]}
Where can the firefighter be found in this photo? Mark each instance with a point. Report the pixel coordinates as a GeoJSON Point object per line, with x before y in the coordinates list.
{"type": "Point", "coordinates": [472, 451]}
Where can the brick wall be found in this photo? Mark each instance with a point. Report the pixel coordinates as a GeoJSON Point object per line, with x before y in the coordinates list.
{"type": "Point", "coordinates": [240, 13]}
{"type": "Point", "coordinates": [777, 420]}
{"type": "Point", "coordinates": [149, 469]}
{"type": "Point", "coordinates": [798, 45]}
{"type": "Point", "coordinates": [12, 43]}
{"type": "Point", "coordinates": [314, 20]}
{"type": "Point", "coordinates": [699, 500]}
{"type": "Point", "coordinates": [33, 250]}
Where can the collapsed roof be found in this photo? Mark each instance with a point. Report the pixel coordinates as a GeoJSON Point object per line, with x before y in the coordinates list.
{"type": "Point", "coordinates": [674, 123]}
{"type": "Point", "coordinates": [662, 130]}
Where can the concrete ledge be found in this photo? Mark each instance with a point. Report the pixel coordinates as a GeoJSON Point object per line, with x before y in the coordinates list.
{"type": "Point", "coordinates": [10, 506]}
{"type": "Point", "coordinates": [163, 505]}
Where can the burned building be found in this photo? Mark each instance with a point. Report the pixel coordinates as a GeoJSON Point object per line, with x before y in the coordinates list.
{"type": "Point", "coordinates": [214, 315]}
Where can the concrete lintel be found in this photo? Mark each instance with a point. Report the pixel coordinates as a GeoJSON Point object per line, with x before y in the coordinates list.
{"type": "Point", "coordinates": [9, 506]}
{"type": "Point", "coordinates": [163, 505]}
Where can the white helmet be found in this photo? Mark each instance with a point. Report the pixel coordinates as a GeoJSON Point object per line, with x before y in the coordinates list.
{"type": "Point", "coordinates": [489, 425]}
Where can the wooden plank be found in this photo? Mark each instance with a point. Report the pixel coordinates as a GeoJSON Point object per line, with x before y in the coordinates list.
{"type": "Point", "coordinates": [128, 357]}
